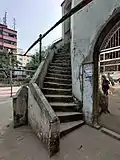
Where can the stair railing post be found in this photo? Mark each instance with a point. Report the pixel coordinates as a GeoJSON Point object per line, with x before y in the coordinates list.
{"type": "Point", "coordinates": [10, 63]}
{"type": "Point", "coordinates": [40, 48]}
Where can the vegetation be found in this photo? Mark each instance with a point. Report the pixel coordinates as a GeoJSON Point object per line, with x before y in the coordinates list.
{"type": "Point", "coordinates": [34, 63]}
{"type": "Point", "coordinates": [5, 64]}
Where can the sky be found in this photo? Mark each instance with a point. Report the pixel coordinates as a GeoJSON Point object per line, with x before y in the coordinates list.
{"type": "Point", "coordinates": [32, 18]}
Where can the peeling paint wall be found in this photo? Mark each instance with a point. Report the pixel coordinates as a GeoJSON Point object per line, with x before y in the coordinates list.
{"type": "Point", "coordinates": [88, 91]}
{"type": "Point", "coordinates": [43, 120]}
{"type": "Point", "coordinates": [86, 25]}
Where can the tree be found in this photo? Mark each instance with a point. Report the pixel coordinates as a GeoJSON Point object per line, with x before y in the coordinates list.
{"type": "Point", "coordinates": [5, 64]}
{"type": "Point", "coordinates": [34, 63]}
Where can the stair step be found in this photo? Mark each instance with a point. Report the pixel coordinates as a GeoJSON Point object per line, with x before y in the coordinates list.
{"type": "Point", "coordinates": [58, 80]}
{"type": "Point", "coordinates": [69, 116]}
{"type": "Point", "coordinates": [61, 64]}
{"type": "Point", "coordinates": [62, 52]}
{"type": "Point", "coordinates": [59, 71]}
{"type": "Point", "coordinates": [64, 107]}
{"type": "Point", "coordinates": [59, 61]}
{"type": "Point", "coordinates": [62, 55]}
{"type": "Point", "coordinates": [61, 58]}
{"type": "Point", "coordinates": [59, 67]}
{"type": "Point", "coordinates": [59, 98]}
{"type": "Point", "coordinates": [66, 128]}
{"type": "Point", "coordinates": [57, 91]}
{"type": "Point", "coordinates": [57, 85]}
{"type": "Point", "coordinates": [59, 75]}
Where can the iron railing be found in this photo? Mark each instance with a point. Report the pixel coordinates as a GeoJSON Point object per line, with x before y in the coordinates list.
{"type": "Point", "coordinates": [78, 7]}
{"type": "Point", "coordinates": [13, 74]}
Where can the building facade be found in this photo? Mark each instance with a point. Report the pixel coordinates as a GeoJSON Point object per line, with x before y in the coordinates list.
{"type": "Point", "coordinates": [66, 26]}
{"type": "Point", "coordinates": [8, 39]}
{"type": "Point", "coordinates": [21, 62]}
{"type": "Point", "coordinates": [94, 35]}
{"type": "Point", "coordinates": [23, 59]}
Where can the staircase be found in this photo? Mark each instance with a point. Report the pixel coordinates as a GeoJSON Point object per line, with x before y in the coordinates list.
{"type": "Point", "coordinates": [58, 91]}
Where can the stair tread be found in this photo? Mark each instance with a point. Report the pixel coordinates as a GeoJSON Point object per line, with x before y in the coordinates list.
{"type": "Point", "coordinates": [60, 67]}
{"type": "Point", "coordinates": [62, 104]}
{"type": "Point", "coordinates": [67, 113]}
{"type": "Point", "coordinates": [58, 83]}
{"type": "Point", "coordinates": [60, 74]}
{"type": "Point", "coordinates": [68, 125]}
{"type": "Point", "coordinates": [62, 63]}
{"type": "Point", "coordinates": [54, 69]}
{"type": "Point", "coordinates": [57, 89]}
{"type": "Point", "coordinates": [59, 60]}
{"type": "Point", "coordinates": [51, 95]}
{"type": "Point", "coordinates": [58, 78]}
{"type": "Point", "coordinates": [53, 64]}
{"type": "Point", "coordinates": [62, 52]}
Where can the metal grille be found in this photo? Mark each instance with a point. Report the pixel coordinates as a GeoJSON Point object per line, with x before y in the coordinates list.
{"type": "Point", "coordinates": [113, 38]}
{"type": "Point", "coordinates": [110, 50]}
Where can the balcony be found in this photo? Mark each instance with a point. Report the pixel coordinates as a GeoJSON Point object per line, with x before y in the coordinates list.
{"type": "Point", "coordinates": [10, 46]}
{"type": "Point", "coordinates": [8, 38]}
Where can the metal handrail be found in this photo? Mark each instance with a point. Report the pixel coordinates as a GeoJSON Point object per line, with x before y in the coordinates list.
{"type": "Point", "coordinates": [81, 5]}
{"type": "Point", "coordinates": [57, 40]}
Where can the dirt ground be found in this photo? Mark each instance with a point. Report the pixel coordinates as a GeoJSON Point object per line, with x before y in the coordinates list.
{"type": "Point", "coordinates": [112, 120]}
{"type": "Point", "coordinates": [84, 143]}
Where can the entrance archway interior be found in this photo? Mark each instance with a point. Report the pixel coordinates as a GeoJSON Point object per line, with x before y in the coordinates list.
{"type": "Point", "coordinates": [109, 65]}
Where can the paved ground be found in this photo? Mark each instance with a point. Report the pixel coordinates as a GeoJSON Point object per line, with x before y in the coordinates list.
{"type": "Point", "coordinates": [21, 144]}
{"type": "Point", "coordinates": [6, 91]}
{"type": "Point", "coordinates": [112, 121]}
{"type": "Point", "coordinates": [5, 112]}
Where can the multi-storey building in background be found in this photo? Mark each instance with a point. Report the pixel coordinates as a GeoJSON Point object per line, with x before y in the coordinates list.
{"type": "Point", "coordinates": [8, 39]}
{"type": "Point", "coordinates": [21, 62]}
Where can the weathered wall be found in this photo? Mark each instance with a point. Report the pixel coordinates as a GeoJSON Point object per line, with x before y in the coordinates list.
{"type": "Point", "coordinates": [43, 120]}
{"type": "Point", "coordinates": [41, 116]}
{"type": "Point", "coordinates": [87, 91]}
{"type": "Point", "coordinates": [86, 26]}
{"type": "Point", "coordinates": [20, 107]}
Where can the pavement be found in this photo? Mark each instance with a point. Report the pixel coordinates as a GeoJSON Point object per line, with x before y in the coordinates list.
{"type": "Point", "coordinates": [6, 91]}
{"type": "Point", "coordinates": [112, 121]}
{"type": "Point", "coordinates": [84, 143]}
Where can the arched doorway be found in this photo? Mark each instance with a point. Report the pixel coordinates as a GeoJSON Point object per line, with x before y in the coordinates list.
{"type": "Point", "coordinates": [107, 59]}
{"type": "Point", "coordinates": [110, 50]}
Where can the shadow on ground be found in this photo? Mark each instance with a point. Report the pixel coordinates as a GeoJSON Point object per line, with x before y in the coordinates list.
{"type": "Point", "coordinates": [84, 143]}
{"type": "Point", "coordinates": [21, 144]}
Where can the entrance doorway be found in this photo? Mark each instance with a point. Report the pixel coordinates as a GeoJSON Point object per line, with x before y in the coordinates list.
{"type": "Point", "coordinates": [109, 67]}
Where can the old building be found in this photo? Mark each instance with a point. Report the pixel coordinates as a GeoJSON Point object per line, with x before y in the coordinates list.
{"type": "Point", "coordinates": [23, 59]}
{"type": "Point", "coordinates": [8, 38]}
{"type": "Point", "coordinates": [54, 106]}
{"type": "Point", "coordinates": [94, 34]}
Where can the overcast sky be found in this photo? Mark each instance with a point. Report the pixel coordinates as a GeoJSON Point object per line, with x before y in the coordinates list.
{"type": "Point", "coordinates": [32, 17]}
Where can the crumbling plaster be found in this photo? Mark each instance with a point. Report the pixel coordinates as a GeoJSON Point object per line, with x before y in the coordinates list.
{"type": "Point", "coordinates": [86, 26]}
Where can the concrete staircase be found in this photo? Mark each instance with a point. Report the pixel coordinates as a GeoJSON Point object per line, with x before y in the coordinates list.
{"type": "Point", "coordinates": [58, 91]}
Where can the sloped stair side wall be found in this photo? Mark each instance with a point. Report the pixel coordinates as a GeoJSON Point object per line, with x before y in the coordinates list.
{"type": "Point", "coordinates": [41, 116]}
{"type": "Point", "coordinates": [20, 107]}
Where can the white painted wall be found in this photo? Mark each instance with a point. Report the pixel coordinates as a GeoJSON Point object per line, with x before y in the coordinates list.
{"type": "Point", "coordinates": [66, 23]}
{"type": "Point", "coordinates": [85, 26]}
